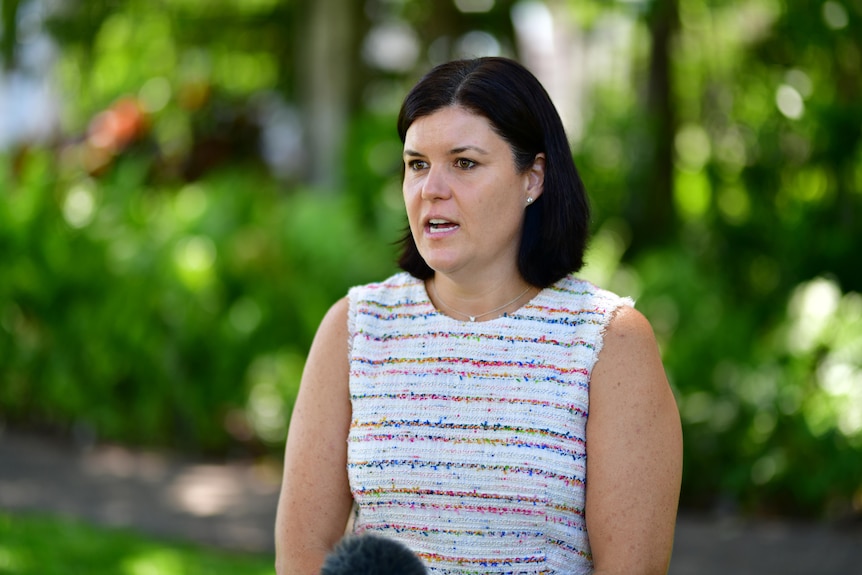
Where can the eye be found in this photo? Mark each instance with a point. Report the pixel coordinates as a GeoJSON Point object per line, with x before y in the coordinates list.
{"type": "Point", "coordinates": [465, 164]}
{"type": "Point", "coordinates": [416, 165]}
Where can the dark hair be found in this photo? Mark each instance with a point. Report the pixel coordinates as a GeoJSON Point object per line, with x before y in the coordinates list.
{"type": "Point", "coordinates": [371, 554]}
{"type": "Point", "coordinates": [519, 109]}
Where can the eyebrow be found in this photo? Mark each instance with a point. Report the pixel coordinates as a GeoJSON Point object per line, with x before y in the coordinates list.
{"type": "Point", "coordinates": [452, 152]}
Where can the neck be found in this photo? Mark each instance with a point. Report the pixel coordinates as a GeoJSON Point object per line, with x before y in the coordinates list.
{"type": "Point", "coordinates": [476, 304]}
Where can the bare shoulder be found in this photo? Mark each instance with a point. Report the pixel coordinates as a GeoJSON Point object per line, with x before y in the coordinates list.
{"type": "Point", "coordinates": [323, 397]}
{"type": "Point", "coordinates": [629, 353]}
{"type": "Point", "coordinates": [628, 331]}
{"type": "Point", "coordinates": [335, 320]}
{"type": "Point", "coordinates": [326, 367]}
{"type": "Point", "coordinates": [629, 391]}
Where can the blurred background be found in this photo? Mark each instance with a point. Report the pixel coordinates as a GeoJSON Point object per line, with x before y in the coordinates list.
{"type": "Point", "coordinates": [187, 185]}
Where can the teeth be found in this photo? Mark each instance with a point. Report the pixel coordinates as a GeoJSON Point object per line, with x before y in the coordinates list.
{"type": "Point", "coordinates": [437, 225]}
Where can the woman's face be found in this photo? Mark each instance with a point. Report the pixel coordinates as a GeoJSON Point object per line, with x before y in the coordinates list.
{"type": "Point", "coordinates": [465, 199]}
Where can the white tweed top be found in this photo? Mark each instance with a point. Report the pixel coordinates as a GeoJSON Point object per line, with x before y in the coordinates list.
{"type": "Point", "coordinates": [468, 440]}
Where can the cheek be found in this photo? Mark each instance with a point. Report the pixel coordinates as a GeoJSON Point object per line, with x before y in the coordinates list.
{"type": "Point", "coordinates": [506, 204]}
{"type": "Point", "coordinates": [407, 192]}
{"type": "Point", "coordinates": [410, 197]}
{"type": "Point", "coordinates": [411, 187]}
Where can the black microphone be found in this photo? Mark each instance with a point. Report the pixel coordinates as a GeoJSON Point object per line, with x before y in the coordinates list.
{"type": "Point", "coordinates": [371, 554]}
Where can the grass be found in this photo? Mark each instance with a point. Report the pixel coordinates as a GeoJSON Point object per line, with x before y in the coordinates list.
{"type": "Point", "coordinates": [31, 545]}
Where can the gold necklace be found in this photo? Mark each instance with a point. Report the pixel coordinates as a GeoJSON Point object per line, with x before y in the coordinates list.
{"type": "Point", "coordinates": [474, 317]}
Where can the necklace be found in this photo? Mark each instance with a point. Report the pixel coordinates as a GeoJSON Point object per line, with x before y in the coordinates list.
{"type": "Point", "coordinates": [474, 317]}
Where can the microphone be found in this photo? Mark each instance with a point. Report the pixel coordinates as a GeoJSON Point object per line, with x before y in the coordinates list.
{"type": "Point", "coordinates": [371, 554]}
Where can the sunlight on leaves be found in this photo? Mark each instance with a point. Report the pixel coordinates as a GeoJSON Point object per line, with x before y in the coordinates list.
{"type": "Point", "coordinates": [241, 73]}
{"type": "Point", "coordinates": [79, 207]}
{"type": "Point", "coordinates": [190, 203]}
{"type": "Point", "coordinates": [767, 467]}
{"type": "Point", "coordinates": [605, 252]}
{"type": "Point", "coordinates": [474, 6]}
{"type": "Point", "coordinates": [10, 560]}
{"type": "Point", "coordinates": [194, 258]}
{"type": "Point", "coordinates": [835, 15]}
{"type": "Point", "coordinates": [154, 562]}
{"type": "Point", "coordinates": [272, 380]}
{"type": "Point", "coordinates": [245, 315]}
{"type": "Point", "coordinates": [789, 102]}
{"type": "Point", "coordinates": [843, 381]}
{"type": "Point", "coordinates": [692, 194]}
{"type": "Point", "coordinates": [692, 147]}
{"type": "Point", "coordinates": [155, 94]}
{"type": "Point", "coordinates": [810, 311]}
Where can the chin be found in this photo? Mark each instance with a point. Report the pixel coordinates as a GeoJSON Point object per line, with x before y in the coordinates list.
{"type": "Point", "coordinates": [446, 270]}
{"type": "Point", "coordinates": [441, 264]}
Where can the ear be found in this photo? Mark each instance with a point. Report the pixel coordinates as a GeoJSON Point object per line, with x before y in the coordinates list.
{"type": "Point", "coordinates": [536, 178]}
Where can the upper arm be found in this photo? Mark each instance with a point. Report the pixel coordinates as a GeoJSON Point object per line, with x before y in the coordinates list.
{"type": "Point", "coordinates": [634, 452]}
{"type": "Point", "coordinates": [315, 499]}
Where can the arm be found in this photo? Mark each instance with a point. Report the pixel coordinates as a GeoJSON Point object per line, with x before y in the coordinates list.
{"type": "Point", "coordinates": [315, 499]}
{"type": "Point", "coordinates": [634, 453]}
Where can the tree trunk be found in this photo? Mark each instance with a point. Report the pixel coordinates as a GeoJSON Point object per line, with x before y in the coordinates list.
{"type": "Point", "coordinates": [328, 59]}
{"type": "Point", "coordinates": [654, 219]}
{"type": "Point", "coordinates": [9, 32]}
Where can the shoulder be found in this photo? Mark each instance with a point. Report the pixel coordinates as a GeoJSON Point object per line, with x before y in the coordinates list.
{"type": "Point", "coordinates": [629, 375]}
{"type": "Point", "coordinates": [585, 294]}
{"type": "Point", "coordinates": [625, 339]}
{"type": "Point", "coordinates": [628, 336]}
{"type": "Point", "coordinates": [584, 306]}
{"type": "Point", "coordinates": [392, 286]}
{"type": "Point", "coordinates": [332, 332]}
{"type": "Point", "coordinates": [336, 315]}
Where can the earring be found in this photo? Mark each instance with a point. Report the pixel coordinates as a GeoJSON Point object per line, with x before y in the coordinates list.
{"type": "Point", "coordinates": [529, 200]}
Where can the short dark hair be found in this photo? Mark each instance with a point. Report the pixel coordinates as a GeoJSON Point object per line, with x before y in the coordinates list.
{"type": "Point", "coordinates": [519, 109]}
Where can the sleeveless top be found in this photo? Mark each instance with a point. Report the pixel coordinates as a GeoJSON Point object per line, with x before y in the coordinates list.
{"type": "Point", "coordinates": [468, 440]}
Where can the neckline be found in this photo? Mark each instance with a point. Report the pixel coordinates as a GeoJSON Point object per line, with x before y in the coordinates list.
{"type": "Point", "coordinates": [505, 315]}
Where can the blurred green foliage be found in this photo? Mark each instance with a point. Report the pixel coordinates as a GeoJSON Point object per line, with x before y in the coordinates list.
{"type": "Point", "coordinates": [31, 545]}
{"type": "Point", "coordinates": [167, 315]}
{"type": "Point", "coordinates": [161, 285]}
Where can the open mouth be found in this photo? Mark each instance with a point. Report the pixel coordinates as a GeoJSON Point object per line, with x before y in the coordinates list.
{"type": "Point", "coordinates": [438, 226]}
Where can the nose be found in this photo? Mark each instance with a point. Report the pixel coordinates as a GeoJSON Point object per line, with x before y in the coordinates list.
{"type": "Point", "coordinates": [435, 186]}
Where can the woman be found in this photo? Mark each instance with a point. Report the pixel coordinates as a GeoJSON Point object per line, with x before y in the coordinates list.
{"type": "Point", "coordinates": [485, 407]}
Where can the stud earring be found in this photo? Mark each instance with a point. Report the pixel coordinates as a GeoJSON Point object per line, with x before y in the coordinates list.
{"type": "Point", "coordinates": [529, 200]}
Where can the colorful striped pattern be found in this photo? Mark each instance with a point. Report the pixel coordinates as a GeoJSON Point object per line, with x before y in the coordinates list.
{"type": "Point", "coordinates": [468, 439]}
